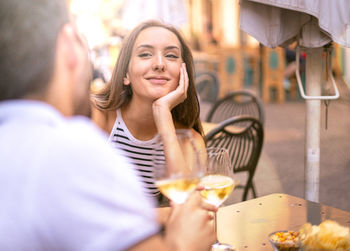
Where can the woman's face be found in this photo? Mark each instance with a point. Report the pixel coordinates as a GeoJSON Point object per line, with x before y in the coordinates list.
{"type": "Point", "coordinates": [155, 62]}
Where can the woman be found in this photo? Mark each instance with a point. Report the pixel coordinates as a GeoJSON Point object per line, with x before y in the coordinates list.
{"type": "Point", "coordinates": [151, 91]}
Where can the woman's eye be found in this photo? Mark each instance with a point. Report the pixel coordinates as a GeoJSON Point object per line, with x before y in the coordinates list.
{"type": "Point", "coordinates": [144, 55]}
{"type": "Point", "coordinates": [172, 56]}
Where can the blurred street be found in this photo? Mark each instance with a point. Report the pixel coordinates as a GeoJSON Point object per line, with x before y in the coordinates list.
{"type": "Point", "coordinates": [281, 165]}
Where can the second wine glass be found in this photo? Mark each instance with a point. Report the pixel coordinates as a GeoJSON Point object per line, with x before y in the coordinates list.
{"type": "Point", "coordinates": [217, 183]}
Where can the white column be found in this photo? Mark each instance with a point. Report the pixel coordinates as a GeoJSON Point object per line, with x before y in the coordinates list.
{"type": "Point", "coordinates": [230, 12]}
{"type": "Point", "coordinates": [313, 123]}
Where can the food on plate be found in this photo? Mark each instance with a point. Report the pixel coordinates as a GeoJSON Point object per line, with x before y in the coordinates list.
{"type": "Point", "coordinates": [329, 235]}
{"type": "Point", "coordinates": [285, 240]}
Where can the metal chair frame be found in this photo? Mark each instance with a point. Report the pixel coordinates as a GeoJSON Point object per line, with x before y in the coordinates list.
{"type": "Point", "coordinates": [244, 141]}
{"type": "Point", "coordinates": [236, 103]}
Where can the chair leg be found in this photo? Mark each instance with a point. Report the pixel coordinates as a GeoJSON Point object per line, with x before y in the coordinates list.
{"type": "Point", "coordinates": [245, 193]}
{"type": "Point", "coordinates": [253, 190]}
{"type": "Point", "coordinates": [250, 185]}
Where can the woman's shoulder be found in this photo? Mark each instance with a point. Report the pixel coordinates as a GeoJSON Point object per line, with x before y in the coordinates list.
{"type": "Point", "coordinates": [181, 126]}
{"type": "Point", "coordinates": [198, 138]}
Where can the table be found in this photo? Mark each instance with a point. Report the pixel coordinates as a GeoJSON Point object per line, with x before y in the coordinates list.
{"type": "Point", "coordinates": [208, 126]}
{"type": "Point", "coordinates": [246, 225]}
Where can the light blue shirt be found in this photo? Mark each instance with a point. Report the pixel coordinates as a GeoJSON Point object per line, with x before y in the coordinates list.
{"type": "Point", "coordinates": [60, 187]}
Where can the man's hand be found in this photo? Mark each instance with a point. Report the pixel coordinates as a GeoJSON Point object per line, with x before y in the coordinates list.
{"type": "Point", "coordinates": [190, 225]}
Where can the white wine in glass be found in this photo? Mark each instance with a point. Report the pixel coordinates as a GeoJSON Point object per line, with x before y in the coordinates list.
{"type": "Point", "coordinates": [217, 188]}
{"type": "Point", "coordinates": [177, 169]}
{"type": "Point", "coordinates": [177, 190]}
{"type": "Point", "coordinates": [217, 183]}
{"type": "Point", "coordinates": [217, 180]}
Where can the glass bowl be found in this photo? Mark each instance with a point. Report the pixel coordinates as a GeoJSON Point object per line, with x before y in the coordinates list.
{"type": "Point", "coordinates": [285, 240]}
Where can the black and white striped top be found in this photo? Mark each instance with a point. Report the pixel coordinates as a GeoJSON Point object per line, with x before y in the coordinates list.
{"type": "Point", "coordinates": [139, 153]}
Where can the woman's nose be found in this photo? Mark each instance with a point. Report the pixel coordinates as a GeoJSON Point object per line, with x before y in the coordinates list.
{"type": "Point", "coordinates": [158, 64]}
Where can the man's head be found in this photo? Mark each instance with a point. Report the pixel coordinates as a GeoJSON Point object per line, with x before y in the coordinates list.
{"type": "Point", "coordinates": [41, 53]}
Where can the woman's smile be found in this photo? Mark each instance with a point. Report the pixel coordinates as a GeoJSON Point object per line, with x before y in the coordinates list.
{"type": "Point", "coordinates": [158, 79]}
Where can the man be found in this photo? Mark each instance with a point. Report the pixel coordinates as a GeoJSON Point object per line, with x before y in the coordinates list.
{"type": "Point", "coordinates": [59, 187]}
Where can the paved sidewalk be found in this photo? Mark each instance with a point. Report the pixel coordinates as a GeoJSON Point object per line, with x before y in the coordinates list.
{"type": "Point", "coordinates": [281, 166]}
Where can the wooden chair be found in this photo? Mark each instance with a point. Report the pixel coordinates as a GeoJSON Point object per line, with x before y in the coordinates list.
{"type": "Point", "coordinates": [273, 73]}
{"type": "Point", "coordinates": [244, 145]}
{"type": "Point", "coordinates": [236, 103]}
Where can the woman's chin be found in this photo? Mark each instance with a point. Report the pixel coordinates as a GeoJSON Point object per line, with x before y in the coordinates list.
{"type": "Point", "coordinates": [156, 97]}
{"type": "Point", "coordinates": [160, 94]}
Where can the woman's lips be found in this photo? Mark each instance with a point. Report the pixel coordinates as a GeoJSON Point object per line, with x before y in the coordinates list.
{"type": "Point", "coordinates": [158, 80]}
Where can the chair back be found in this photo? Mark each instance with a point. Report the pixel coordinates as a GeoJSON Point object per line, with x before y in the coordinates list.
{"type": "Point", "coordinates": [236, 103]}
{"type": "Point", "coordinates": [207, 86]}
{"type": "Point", "coordinates": [243, 137]}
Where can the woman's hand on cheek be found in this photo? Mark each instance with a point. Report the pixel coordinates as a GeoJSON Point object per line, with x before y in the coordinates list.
{"type": "Point", "coordinates": [178, 95]}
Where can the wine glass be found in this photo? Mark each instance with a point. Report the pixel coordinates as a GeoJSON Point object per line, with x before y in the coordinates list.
{"type": "Point", "coordinates": [217, 183]}
{"type": "Point", "coordinates": [177, 169]}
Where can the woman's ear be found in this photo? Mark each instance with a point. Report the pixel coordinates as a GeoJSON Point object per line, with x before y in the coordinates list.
{"type": "Point", "coordinates": [126, 79]}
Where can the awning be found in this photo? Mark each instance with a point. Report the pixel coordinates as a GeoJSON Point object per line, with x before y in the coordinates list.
{"type": "Point", "coordinates": [279, 22]}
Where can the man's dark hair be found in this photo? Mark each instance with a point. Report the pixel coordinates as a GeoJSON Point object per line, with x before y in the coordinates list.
{"type": "Point", "coordinates": [28, 34]}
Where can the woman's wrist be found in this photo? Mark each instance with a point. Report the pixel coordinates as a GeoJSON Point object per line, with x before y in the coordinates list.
{"type": "Point", "coordinates": [163, 120]}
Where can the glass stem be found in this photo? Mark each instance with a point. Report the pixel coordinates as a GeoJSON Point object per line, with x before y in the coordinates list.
{"type": "Point", "coordinates": [216, 227]}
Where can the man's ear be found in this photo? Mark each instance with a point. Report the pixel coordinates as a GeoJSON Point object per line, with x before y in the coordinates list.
{"type": "Point", "coordinates": [67, 46]}
{"type": "Point", "coordinates": [127, 79]}
{"type": "Point", "coordinates": [60, 93]}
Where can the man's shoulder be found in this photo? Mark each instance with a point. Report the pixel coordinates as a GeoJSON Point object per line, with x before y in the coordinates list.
{"type": "Point", "coordinates": [80, 130]}
{"type": "Point", "coordinates": [78, 148]}
{"type": "Point", "coordinates": [80, 140]}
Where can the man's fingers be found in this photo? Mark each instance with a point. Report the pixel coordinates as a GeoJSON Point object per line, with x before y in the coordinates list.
{"type": "Point", "coordinates": [200, 187]}
{"type": "Point", "coordinates": [196, 199]}
{"type": "Point", "coordinates": [208, 207]}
